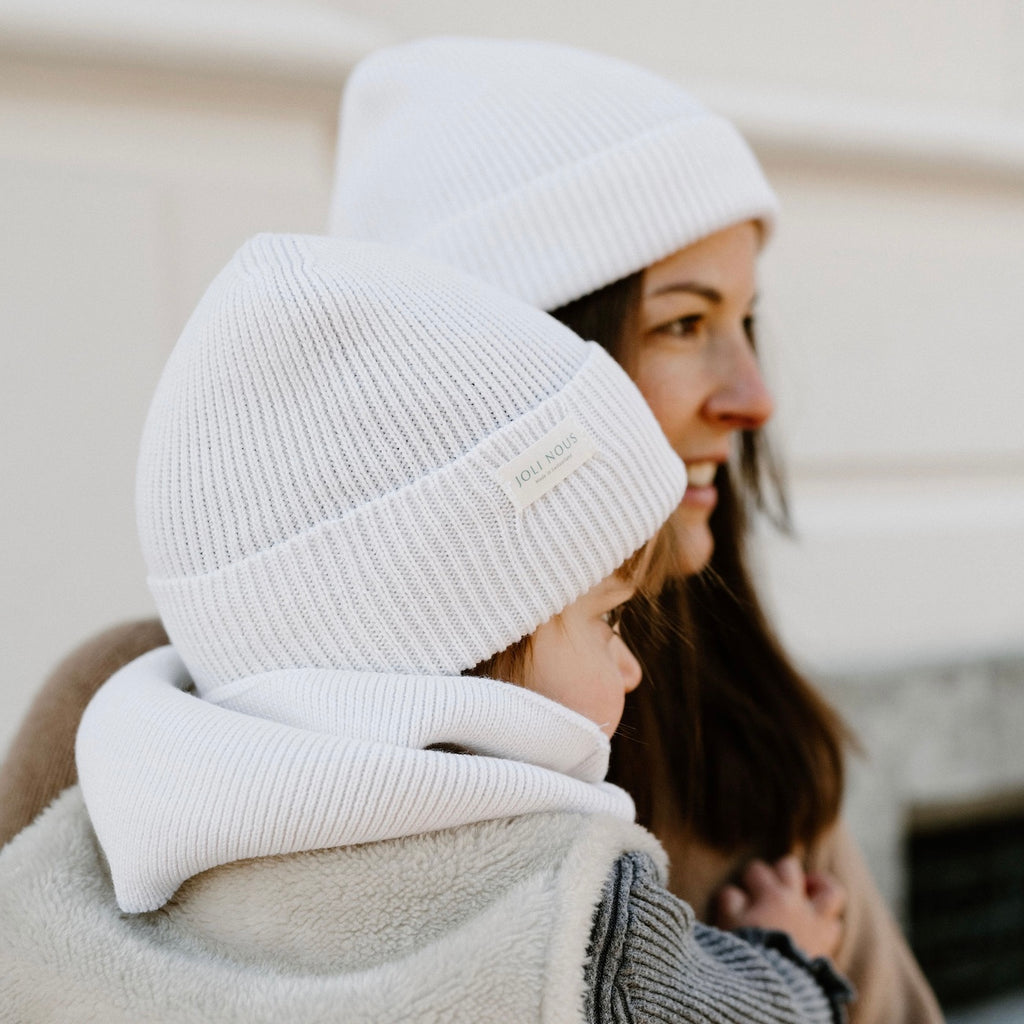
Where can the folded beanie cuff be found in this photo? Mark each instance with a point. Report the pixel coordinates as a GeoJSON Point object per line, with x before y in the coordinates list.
{"type": "Point", "coordinates": [565, 234]}
{"type": "Point", "coordinates": [343, 593]}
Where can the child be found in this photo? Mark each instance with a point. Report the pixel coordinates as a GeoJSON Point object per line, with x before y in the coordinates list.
{"type": "Point", "coordinates": [362, 476]}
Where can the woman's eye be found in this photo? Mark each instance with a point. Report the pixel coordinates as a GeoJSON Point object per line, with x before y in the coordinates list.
{"type": "Point", "coordinates": [750, 329]}
{"type": "Point", "coordinates": [683, 327]}
{"type": "Point", "coordinates": [613, 617]}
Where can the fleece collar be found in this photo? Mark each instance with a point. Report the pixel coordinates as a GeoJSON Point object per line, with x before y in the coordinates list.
{"type": "Point", "coordinates": [308, 759]}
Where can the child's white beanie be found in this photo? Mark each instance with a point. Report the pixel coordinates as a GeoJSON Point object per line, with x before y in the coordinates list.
{"type": "Point", "coordinates": [356, 459]}
{"type": "Point", "coordinates": [545, 170]}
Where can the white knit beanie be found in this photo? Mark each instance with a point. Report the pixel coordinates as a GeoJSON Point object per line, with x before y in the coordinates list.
{"type": "Point", "coordinates": [545, 170]}
{"type": "Point", "coordinates": [356, 459]}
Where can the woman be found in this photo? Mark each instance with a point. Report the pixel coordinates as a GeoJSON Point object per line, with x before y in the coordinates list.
{"type": "Point", "coordinates": [602, 193]}
{"type": "Point", "coordinates": [614, 200]}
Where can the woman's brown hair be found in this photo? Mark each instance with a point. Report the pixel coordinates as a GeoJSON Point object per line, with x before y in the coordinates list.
{"type": "Point", "coordinates": [724, 735]}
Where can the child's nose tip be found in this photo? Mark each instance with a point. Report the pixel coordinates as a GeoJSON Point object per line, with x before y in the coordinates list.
{"type": "Point", "coordinates": [631, 671]}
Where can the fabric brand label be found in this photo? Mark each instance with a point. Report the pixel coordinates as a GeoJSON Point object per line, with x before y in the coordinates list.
{"type": "Point", "coordinates": [558, 454]}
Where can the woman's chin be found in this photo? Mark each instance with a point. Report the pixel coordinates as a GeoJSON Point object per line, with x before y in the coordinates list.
{"type": "Point", "coordinates": [694, 542]}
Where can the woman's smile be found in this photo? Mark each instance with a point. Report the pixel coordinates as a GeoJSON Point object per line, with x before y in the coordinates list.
{"type": "Point", "coordinates": [700, 484]}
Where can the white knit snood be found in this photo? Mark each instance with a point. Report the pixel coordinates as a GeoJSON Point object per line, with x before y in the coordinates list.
{"type": "Point", "coordinates": [309, 759]}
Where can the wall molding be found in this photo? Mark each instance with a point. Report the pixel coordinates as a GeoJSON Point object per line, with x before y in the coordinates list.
{"type": "Point", "coordinates": [301, 43]}
{"type": "Point", "coordinates": [928, 140]}
{"type": "Point", "coordinates": [313, 44]}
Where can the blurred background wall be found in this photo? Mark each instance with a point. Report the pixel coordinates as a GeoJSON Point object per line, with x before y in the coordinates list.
{"type": "Point", "coordinates": [141, 142]}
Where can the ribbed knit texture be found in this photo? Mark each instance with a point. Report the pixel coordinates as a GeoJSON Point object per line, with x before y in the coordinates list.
{"type": "Point", "coordinates": [543, 169]}
{"type": "Point", "coordinates": [645, 965]}
{"type": "Point", "coordinates": [318, 479]}
{"type": "Point", "coordinates": [310, 759]}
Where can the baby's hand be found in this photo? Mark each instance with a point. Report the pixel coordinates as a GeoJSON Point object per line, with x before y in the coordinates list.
{"type": "Point", "coordinates": [781, 897]}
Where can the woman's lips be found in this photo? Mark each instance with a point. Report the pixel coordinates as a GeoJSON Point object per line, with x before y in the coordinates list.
{"type": "Point", "coordinates": [700, 487]}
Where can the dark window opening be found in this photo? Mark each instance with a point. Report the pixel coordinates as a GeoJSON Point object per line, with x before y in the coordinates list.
{"type": "Point", "coordinates": [965, 873]}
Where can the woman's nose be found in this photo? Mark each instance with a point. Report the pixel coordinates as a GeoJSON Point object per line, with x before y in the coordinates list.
{"type": "Point", "coordinates": [741, 400]}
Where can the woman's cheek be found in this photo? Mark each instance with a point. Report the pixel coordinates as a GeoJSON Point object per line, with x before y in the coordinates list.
{"type": "Point", "coordinates": [671, 396]}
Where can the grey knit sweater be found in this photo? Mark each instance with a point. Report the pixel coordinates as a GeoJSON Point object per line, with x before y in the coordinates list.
{"type": "Point", "coordinates": [650, 961]}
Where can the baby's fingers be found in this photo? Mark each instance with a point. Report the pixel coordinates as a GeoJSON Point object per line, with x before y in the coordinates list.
{"type": "Point", "coordinates": [790, 872]}
{"type": "Point", "coordinates": [732, 905]}
{"type": "Point", "coordinates": [759, 880]}
{"type": "Point", "coordinates": [826, 893]}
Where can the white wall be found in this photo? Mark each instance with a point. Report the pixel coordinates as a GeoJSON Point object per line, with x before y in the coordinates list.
{"type": "Point", "coordinates": [124, 186]}
{"type": "Point", "coordinates": [897, 318]}
{"type": "Point", "coordinates": [137, 150]}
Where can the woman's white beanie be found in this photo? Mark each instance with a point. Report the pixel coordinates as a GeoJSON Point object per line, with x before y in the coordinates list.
{"type": "Point", "coordinates": [357, 459]}
{"type": "Point", "coordinates": [545, 170]}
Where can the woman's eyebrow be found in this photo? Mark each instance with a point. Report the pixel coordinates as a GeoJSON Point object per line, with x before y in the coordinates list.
{"type": "Point", "coordinates": [711, 294]}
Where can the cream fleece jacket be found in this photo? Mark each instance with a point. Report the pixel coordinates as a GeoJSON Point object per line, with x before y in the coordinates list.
{"type": "Point", "coordinates": [488, 923]}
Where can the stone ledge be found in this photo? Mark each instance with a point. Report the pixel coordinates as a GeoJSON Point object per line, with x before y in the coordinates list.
{"type": "Point", "coordinates": [933, 736]}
